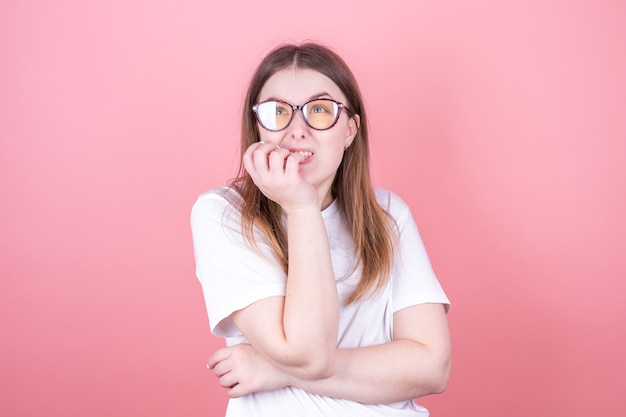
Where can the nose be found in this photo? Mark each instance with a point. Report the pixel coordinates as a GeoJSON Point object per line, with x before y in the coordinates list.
{"type": "Point", "coordinates": [298, 127]}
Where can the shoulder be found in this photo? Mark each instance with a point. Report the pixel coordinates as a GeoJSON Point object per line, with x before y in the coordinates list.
{"type": "Point", "coordinates": [224, 193]}
{"type": "Point", "coordinates": [391, 203]}
{"type": "Point", "coordinates": [216, 202]}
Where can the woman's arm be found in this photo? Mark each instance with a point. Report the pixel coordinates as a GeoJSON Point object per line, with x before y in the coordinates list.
{"type": "Point", "coordinates": [416, 363]}
{"type": "Point", "coordinates": [297, 332]}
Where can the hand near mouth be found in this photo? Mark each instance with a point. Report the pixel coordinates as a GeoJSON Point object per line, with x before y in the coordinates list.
{"type": "Point", "coordinates": [275, 171]}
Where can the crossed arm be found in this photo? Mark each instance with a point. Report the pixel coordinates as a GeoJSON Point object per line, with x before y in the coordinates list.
{"type": "Point", "coordinates": [416, 363]}
{"type": "Point", "coordinates": [293, 338]}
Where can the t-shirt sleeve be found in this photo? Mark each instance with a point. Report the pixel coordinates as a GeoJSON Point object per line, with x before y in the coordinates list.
{"type": "Point", "coordinates": [233, 275]}
{"type": "Point", "coordinates": [413, 279]}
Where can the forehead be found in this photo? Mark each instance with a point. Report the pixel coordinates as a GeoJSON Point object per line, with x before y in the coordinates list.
{"type": "Point", "coordinates": [298, 85]}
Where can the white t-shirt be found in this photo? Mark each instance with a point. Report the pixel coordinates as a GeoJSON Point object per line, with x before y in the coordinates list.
{"type": "Point", "coordinates": [233, 276]}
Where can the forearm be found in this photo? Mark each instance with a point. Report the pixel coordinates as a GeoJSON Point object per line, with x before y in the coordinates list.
{"type": "Point", "coordinates": [298, 332]}
{"type": "Point", "coordinates": [395, 371]}
{"type": "Point", "coordinates": [311, 309]}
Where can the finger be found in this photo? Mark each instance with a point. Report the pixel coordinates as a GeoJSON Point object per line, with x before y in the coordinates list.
{"type": "Point", "coordinates": [265, 147]}
{"type": "Point", "coordinates": [222, 368]}
{"type": "Point", "coordinates": [277, 159]}
{"type": "Point", "coordinates": [228, 381]}
{"type": "Point", "coordinates": [237, 391]}
{"type": "Point", "coordinates": [252, 148]}
{"type": "Point", "coordinates": [248, 157]}
{"type": "Point", "coordinates": [269, 144]}
{"type": "Point", "coordinates": [292, 164]}
{"type": "Point", "coordinates": [260, 157]}
{"type": "Point", "coordinates": [218, 356]}
{"type": "Point", "coordinates": [258, 146]}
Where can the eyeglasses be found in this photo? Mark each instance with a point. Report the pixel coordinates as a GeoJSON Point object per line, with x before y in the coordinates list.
{"type": "Point", "coordinates": [319, 114]}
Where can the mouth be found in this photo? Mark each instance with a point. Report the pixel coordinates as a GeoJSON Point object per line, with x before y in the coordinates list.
{"type": "Point", "coordinates": [304, 154]}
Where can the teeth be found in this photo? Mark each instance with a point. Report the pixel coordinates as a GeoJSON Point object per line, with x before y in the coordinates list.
{"type": "Point", "coordinates": [305, 154]}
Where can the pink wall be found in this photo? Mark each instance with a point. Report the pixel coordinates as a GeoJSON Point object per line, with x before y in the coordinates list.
{"type": "Point", "coordinates": [503, 126]}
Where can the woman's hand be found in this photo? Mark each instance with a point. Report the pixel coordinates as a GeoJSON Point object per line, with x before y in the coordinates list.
{"type": "Point", "coordinates": [242, 370]}
{"type": "Point", "coordinates": [276, 172]}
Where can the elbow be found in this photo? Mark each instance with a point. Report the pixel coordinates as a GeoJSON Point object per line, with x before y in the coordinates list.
{"type": "Point", "coordinates": [440, 385]}
{"type": "Point", "coordinates": [318, 366]}
{"type": "Point", "coordinates": [441, 376]}
{"type": "Point", "coordinates": [312, 363]}
{"type": "Point", "coordinates": [322, 371]}
{"type": "Point", "coordinates": [434, 379]}
{"type": "Point", "coordinates": [306, 361]}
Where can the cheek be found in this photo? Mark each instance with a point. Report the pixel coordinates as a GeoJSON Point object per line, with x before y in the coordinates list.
{"type": "Point", "coordinates": [336, 152]}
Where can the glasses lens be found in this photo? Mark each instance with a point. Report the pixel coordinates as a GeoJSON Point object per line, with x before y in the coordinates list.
{"type": "Point", "coordinates": [321, 114]}
{"type": "Point", "coordinates": [274, 115]}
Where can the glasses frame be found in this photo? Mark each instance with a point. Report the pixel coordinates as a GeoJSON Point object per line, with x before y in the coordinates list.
{"type": "Point", "coordinates": [340, 106]}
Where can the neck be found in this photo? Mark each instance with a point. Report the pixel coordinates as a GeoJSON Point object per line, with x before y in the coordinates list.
{"type": "Point", "coordinates": [326, 200]}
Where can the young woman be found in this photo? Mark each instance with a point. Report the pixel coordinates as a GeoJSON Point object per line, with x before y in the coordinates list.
{"type": "Point", "coordinates": [320, 284]}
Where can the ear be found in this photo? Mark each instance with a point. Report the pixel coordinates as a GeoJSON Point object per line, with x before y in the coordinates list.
{"type": "Point", "coordinates": [353, 127]}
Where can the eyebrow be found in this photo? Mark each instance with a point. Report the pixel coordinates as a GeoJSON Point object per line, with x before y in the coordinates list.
{"type": "Point", "coordinates": [313, 97]}
{"type": "Point", "coordinates": [320, 95]}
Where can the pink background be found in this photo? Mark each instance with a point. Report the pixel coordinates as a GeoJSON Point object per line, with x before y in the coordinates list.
{"type": "Point", "coordinates": [502, 125]}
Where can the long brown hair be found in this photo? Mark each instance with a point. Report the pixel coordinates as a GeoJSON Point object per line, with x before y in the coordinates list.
{"type": "Point", "coordinates": [371, 227]}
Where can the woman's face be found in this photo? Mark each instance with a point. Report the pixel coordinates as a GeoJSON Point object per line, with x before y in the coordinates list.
{"type": "Point", "coordinates": [323, 148]}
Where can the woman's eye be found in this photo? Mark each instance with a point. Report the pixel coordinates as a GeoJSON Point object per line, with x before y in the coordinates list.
{"type": "Point", "coordinates": [318, 109]}
{"type": "Point", "coordinates": [281, 111]}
